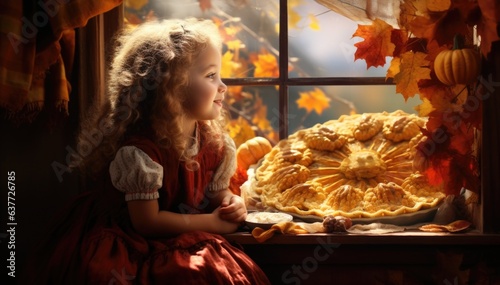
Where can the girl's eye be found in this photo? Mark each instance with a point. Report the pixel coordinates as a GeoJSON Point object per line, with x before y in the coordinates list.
{"type": "Point", "coordinates": [211, 75]}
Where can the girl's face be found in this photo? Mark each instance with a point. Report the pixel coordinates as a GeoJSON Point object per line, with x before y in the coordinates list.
{"type": "Point", "coordinates": [206, 90]}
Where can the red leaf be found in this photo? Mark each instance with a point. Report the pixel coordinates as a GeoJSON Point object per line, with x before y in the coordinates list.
{"type": "Point", "coordinates": [377, 43]}
{"type": "Point", "coordinates": [238, 178]}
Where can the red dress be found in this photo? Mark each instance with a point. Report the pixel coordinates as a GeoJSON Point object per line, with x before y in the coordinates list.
{"type": "Point", "coordinates": [95, 242]}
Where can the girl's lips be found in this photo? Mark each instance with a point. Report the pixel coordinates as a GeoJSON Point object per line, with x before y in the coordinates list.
{"type": "Point", "coordinates": [218, 102]}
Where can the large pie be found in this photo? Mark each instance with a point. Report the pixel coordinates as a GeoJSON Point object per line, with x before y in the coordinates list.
{"type": "Point", "coordinates": [359, 166]}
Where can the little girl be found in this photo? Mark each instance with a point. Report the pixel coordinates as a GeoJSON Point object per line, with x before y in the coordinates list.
{"type": "Point", "coordinates": [161, 168]}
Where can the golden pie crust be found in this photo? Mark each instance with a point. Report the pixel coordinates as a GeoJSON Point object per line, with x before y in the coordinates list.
{"type": "Point", "coordinates": [359, 166]}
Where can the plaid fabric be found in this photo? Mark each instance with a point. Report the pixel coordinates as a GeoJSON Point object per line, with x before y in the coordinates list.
{"type": "Point", "coordinates": [37, 46]}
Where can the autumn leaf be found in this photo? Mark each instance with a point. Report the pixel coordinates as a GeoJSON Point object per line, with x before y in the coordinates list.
{"type": "Point", "coordinates": [233, 45]}
{"type": "Point", "coordinates": [136, 4]}
{"type": "Point", "coordinates": [314, 25]}
{"type": "Point", "coordinates": [239, 177]}
{"type": "Point", "coordinates": [399, 38]}
{"type": "Point", "coordinates": [433, 49]}
{"type": "Point", "coordinates": [425, 108]}
{"type": "Point", "coordinates": [313, 100]}
{"type": "Point", "coordinates": [376, 45]}
{"type": "Point", "coordinates": [393, 68]}
{"type": "Point", "coordinates": [228, 65]}
{"type": "Point", "coordinates": [132, 20]}
{"type": "Point", "coordinates": [441, 26]}
{"type": "Point", "coordinates": [205, 5]}
{"type": "Point", "coordinates": [240, 130]}
{"type": "Point", "coordinates": [260, 116]}
{"type": "Point", "coordinates": [266, 65]}
{"type": "Point", "coordinates": [413, 68]}
{"type": "Point", "coordinates": [408, 13]}
{"type": "Point", "coordinates": [463, 174]}
{"type": "Point", "coordinates": [438, 5]}
{"type": "Point", "coordinates": [293, 18]}
{"type": "Point", "coordinates": [442, 97]}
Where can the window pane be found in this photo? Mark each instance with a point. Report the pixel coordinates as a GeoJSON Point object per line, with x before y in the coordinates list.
{"type": "Point", "coordinates": [249, 29]}
{"type": "Point", "coordinates": [309, 105]}
{"type": "Point", "coordinates": [321, 43]}
{"type": "Point", "coordinates": [253, 111]}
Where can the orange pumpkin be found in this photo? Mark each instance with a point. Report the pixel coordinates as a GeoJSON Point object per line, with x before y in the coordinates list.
{"type": "Point", "coordinates": [457, 66]}
{"type": "Point", "coordinates": [251, 151]}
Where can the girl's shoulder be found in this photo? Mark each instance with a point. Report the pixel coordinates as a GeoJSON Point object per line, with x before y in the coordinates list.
{"type": "Point", "coordinates": [147, 144]}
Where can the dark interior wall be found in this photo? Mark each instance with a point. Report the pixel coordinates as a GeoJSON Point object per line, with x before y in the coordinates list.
{"type": "Point", "coordinates": [30, 150]}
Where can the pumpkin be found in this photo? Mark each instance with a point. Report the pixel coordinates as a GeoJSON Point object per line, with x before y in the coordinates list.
{"type": "Point", "coordinates": [251, 151]}
{"type": "Point", "coordinates": [457, 66]}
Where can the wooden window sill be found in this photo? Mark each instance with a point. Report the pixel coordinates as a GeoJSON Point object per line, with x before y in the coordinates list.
{"type": "Point", "coordinates": [411, 237]}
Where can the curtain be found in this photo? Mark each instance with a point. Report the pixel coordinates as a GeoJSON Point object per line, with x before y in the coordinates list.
{"type": "Point", "coordinates": [37, 50]}
{"type": "Point", "coordinates": [365, 11]}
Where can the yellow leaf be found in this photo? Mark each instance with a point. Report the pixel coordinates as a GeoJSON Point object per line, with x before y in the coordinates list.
{"type": "Point", "coordinates": [240, 130]}
{"type": "Point", "coordinates": [232, 30]}
{"type": "Point", "coordinates": [314, 25]}
{"type": "Point", "coordinates": [233, 45]}
{"type": "Point", "coordinates": [425, 108]}
{"type": "Point", "coordinates": [260, 115]}
{"type": "Point", "coordinates": [313, 100]}
{"type": "Point", "coordinates": [266, 65]}
{"type": "Point", "coordinates": [136, 4]}
{"type": "Point", "coordinates": [295, 3]}
{"type": "Point", "coordinates": [228, 66]}
{"type": "Point", "coordinates": [293, 19]}
{"type": "Point", "coordinates": [413, 68]}
{"type": "Point", "coordinates": [394, 68]}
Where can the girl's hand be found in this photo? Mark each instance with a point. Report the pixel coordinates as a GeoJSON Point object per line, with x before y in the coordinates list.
{"type": "Point", "coordinates": [222, 226]}
{"type": "Point", "coordinates": [233, 209]}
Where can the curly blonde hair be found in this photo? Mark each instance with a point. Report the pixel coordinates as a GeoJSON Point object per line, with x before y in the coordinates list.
{"type": "Point", "coordinates": [147, 89]}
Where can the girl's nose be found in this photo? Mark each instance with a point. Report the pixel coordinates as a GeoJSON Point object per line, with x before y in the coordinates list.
{"type": "Point", "coordinates": [222, 87]}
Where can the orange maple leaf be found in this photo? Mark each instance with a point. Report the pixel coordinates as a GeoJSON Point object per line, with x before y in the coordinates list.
{"type": "Point", "coordinates": [376, 45]}
{"type": "Point", "coordinates": [408, 12]}
{"type": "Point", "coordinates": [205, 5]}
{"type": "Point", "coordinates": [413, 68]}
{"type": "Point", "coordinates": [442, 26]}
{"type": "Point", "coordinates": [438, 5]}
{"type": "Point", "coordinates": [313, 100]}
{"type": "Point", "coordinates": [266, 65]}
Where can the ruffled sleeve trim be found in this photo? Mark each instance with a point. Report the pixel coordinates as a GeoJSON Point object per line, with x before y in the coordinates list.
{"type": "Point", "coordinates": [136, 174]}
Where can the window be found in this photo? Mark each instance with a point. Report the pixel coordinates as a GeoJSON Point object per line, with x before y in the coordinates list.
{"type": "Point", "coordinates": [279, 51]}
{"type": "Point", "coordinates": [286, 71]}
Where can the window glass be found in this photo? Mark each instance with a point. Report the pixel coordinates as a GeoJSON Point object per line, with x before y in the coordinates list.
{"type": "Point", "coordinates": [321, 43]}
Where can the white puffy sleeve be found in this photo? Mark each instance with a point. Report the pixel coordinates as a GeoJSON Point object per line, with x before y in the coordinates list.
{"type": "Point", "coordinates": [136, 174]}
{"type": "Point", "coordinates": [226, 169]}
